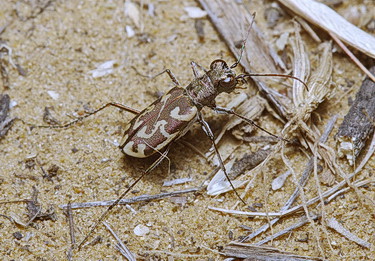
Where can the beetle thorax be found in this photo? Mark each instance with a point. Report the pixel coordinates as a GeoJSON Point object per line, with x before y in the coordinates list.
{"type": "Point", "coordinates": [204, 89]}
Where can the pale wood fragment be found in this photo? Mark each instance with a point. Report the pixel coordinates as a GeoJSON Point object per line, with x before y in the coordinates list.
{"type": "Point", "coordinates": [326, 18]}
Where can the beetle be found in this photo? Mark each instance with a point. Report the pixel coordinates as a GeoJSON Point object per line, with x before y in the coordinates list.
{"type": "Point", "coordinates": [171, 116]}
{"type": "Point", "coordinates": [168, 118]}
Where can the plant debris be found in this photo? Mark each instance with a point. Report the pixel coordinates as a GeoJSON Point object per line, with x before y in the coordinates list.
{"type": "Point", "coordinates": [359, 123]}
{"type": "Point", "coordinates": [251, 252]}
{"type": "Point", "coordinates": [5, 121]}
{"type": "Point", "coordinates": [35, 210]}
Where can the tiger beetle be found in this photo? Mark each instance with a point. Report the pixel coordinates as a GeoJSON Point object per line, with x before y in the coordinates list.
{"type": "Point", "coordinates": [154, 129]}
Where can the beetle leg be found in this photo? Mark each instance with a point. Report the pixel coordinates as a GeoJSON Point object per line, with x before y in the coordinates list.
{"type": "Point", "coordinates": [169, 72]}
{"type": "Point", "coordinates": [232, 112]}
{"type": "Point", "coordinates": [113, 104]}
{"type": "Point", "coordinates": [206, 128]}
{"type": "Point", "coordinates": [103, 216]}
{"type": "Point", "coordinates": [163, 155]}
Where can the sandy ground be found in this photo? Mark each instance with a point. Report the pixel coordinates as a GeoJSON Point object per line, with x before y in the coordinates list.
{"type": "Point", "coordinates": [59, 46]}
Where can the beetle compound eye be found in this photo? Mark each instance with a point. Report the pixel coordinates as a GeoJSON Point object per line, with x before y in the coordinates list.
{"type": "Point", "coordinates": [228, 82]}
{"type": "Point", "coordinates": [218, 65]}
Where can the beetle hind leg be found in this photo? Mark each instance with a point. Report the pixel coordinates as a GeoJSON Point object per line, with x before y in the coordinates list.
{"type": "Point", "coordinates": [117, 201]}
{"type": "Point", "coordinates": [67, 125]}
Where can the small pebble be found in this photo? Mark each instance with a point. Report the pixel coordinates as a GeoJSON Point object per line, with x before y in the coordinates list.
{"type": "Point", "coordinates": [141, 230]}
{"type": "Point", "coordinates": [195, 12]}
{"type": "Point", "coordinates": [54, 95]}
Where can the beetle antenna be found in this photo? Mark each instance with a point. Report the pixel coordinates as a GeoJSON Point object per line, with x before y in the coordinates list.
{"type": "Point", "coordinates": [244, 43]}
{"type": "Point", "coordinates": [242, 76]}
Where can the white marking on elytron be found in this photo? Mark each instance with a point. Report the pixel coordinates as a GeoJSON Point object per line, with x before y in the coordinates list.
{"type": "Point", "coordinates": [167, 141]}
{"type": "Point", "coordinates": [137, 123]}
{"type": "Point", "coordinates": [148, 109]}
{"type": "Point", "coordinates": [164, 100]}
{"type": "Point", "coordinates": [124, 138]}
{"type": "Point", "coordinates": [178, 134]}
{"type": "Point", "coordinates": [190, 124]}
{"type": "Point", "coordinates": [159, 125]}
{"type": "Point", "coordinates": [127, 126]}
{"type": "Point", "coordinates": [183, 117]}
{"type": "Point", "coordinates": [129, 150]}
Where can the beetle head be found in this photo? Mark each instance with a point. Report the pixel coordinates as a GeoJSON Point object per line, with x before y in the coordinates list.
{"type": "Point", "coordinates": [223, 78]}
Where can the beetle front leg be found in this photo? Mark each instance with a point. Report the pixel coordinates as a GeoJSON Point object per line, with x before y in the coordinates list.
{"type": "Point", "coordinates": [169, 72]}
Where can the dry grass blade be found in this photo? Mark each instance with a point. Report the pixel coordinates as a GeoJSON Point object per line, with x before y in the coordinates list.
{"type": "Point", "coordinates": [323, 16]}
{"type": "Point", "coordinates": [344, 190]}
{"type": "Point", "coordinates": [303, 220]}
{"type": "Point", "coordinates": [308, 29]}
{"type": "Point", "coordinates": [325, 194]}
{"type": "Point", "coordinates": [301, 68]}
{"type": "Point", "coordinates": [71, 232]}
{"type": "Point", "coordinates": [237, 166]}
{"type": "Point", "coordinates": [352, 57]}
{"type": "Point", "coordinates": [319, 82]}
{"type": "Point", "coordinates": [306, 101]}
{"type": "Point", "coordinates": [334, 224]}
{"type": "Point", "coordinates": [71, 225]}
{"type": "Point", "coordinates": [246, 213]}
{"type": "Point", "coordinates": [368, 155]}
{"type": "Point", "coordinates": [240, 250]}
{"type": "Point", "coordinates": [120, 246]}
{"type": "Point", "coordinates": [285, 212]}
{"type": "Point", "coordinates": [130, 200]}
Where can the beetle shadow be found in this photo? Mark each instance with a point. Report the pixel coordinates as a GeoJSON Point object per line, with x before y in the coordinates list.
{"type": "Point", "coordinates": [137, 166]}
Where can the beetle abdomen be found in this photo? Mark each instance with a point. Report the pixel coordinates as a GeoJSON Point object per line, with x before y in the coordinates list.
{"type": "Point", "coordinates": [165, 120]}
